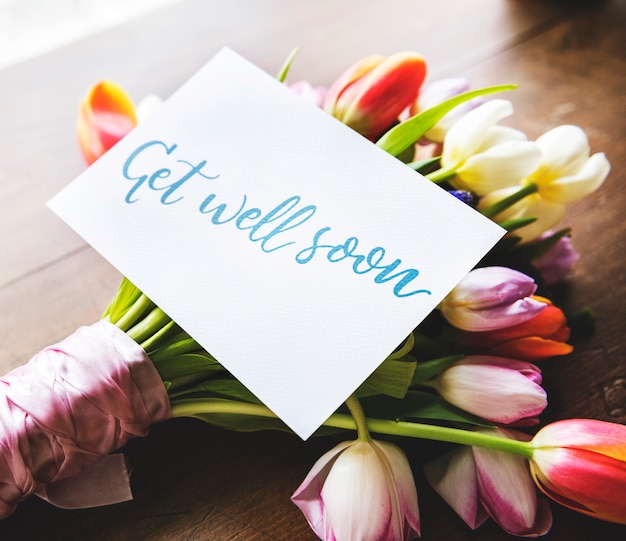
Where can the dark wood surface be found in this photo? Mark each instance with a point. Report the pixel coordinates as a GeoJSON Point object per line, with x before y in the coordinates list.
{"type": "Point", "coordinates": [192, 481]}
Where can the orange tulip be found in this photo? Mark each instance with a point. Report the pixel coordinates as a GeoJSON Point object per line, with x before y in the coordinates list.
{"type": "Point", "coordinates": [538, 338]}
{"type": "Point", "coordinates": [106, 115]}
{"type": "Point", "coordinates": [372, 93]}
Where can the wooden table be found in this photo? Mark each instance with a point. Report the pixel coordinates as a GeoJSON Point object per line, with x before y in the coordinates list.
{"type": "Point", "coordinates": [192, 481]}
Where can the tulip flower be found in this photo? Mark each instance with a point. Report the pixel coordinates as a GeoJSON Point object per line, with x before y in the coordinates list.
{"type": "Point", "coordinates": [541, 337]}
{"type": "Point", "coordinates": [370, 96]}
{"type": "Point", "coordinates": [555, 264]}
{"type": "Point", "coordinates": [484, 156]}
{"type": "Point", "coordinates": [504, 391]}
{"type": "Point", "coordinates": [106, 115]}
{"type": "Point", "coordinates": [433, 94]}
{"type": "Point", "coordinates": [581, 464]}
{"type": "Point", "coordinates": [361, 490]}
{"type": "Point", "coordinates": [566, 173]}
{"type": "Point", "coordinates": [491, 298]}
{"type": "Point", "coordinates": [478, 483]}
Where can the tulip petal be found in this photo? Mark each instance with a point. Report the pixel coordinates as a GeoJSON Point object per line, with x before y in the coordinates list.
{"type": "Point", "coordinates": [565, 149]}
{"type": "Point", "coordinates": [453, 477]}
{"type": "Point", "coordinates": [465, 136]}
{"type": "Point", "coordinates": [357, 488]}
{"type": "Point", "coordinates": [499, 390]}
{"type": "Point", "coordinates": [500, 166]}
{"type": "Point", "coordinates": [106, 115]}
{"type": "Point", "coordinates": [508, 493]}
{"type": "Point", "coordinates": [582, 480]}
{"type": "Point", "coordinates": [589, 178]}
{"type": "Point", "coordinates": [336, 101]}
{"type": "Point", "coordinates": [306, 497]}
{"type": "Point", "coordinates": [599, 436]}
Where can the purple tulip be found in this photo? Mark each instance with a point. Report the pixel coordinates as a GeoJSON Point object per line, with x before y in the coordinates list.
{"type": "Point", "coordinates": [556, 263]}
{"type": "Point", "coordinates": [491, 298]}
{"type": "Point", "coordinates": [360, 491]}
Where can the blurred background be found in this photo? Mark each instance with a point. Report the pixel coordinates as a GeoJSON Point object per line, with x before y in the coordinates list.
{"type": "Point", "coordinates": [32, 27]}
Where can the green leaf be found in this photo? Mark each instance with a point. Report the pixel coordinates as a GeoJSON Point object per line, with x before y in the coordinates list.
{"type": "Point", "coordinates": [284, 70]}
{"type": "Point", "coordinates": [419, 405]}
{"type": "Point", "coordinates": [402, 136]}
{"type": "Point", "coordinates": [427, 370]}
{"type": "Point", "coordinates": [424, 164]}
{"type": "Point", "coordinates": [187, 364]}
{"type": "Point", "coordinates": [392, 378]}
{"type": "Point", "coordinates": [125, 297]}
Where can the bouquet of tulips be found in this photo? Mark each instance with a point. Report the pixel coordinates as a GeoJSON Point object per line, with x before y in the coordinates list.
{"type": "Point", "coordinates": [468, 375]}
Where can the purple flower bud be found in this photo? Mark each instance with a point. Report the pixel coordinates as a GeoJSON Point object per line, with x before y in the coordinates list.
{"type": "Point", "coordinates": [491, 298]}
{"type": "Point", "coordinates": [556, 263]}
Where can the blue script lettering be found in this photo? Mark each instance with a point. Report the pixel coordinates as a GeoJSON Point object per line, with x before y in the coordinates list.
{"type": "Point", "coordinates": [153, 179]}
{"type": "Point", "coordinates": [254, 219]}
{"type": "Point", "coordinates": [362, 264]}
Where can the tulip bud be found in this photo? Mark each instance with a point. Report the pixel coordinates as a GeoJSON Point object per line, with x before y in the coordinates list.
{"type": "Point", "coordinates": [478, 483]}
{"type": "Point", "coordinates": [541, 337]}
{"type": "Point", "coordinates": [361, 490]}
{"type": "Point", "coordinates": [503, 391]}
{"type": "Point", "coordinates": [567, 172]}
{"type": "Point", "coordinates": [581, 464]}
{"type": "Point", "coordinates": [370, 96]}
{"type": "Point", "coordinates": [106, 115]}
{"type": "Point", "coordinates": [491, 298]}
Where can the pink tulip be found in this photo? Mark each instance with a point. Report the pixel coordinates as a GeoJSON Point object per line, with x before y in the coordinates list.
{"type": "Point", "coordinates": [581, 464]}
{"type": "Point", "coordinates": [480, 483]}
{"type": "Point", "coordinates": [503, 391]}
{"type": "Point", "coordinates": [371, 94]}
{"type": "Point", "coordinates": [361, 490]}
{"type": "Point", "coordinates": [491, 298]}
{"type": "Point", "coordinates": [106, 115]}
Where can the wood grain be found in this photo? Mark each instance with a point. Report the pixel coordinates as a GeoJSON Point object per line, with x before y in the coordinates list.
{"type": "Point", "coordinates": [192, 481]}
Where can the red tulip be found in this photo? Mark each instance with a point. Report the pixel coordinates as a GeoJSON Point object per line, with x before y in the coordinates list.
{"type": "Point", "coordinates": [372, 93]}
{"type": "Point", "coordinates": [106, 115]}
{"type": "Point", "coordinates": [581, 464]}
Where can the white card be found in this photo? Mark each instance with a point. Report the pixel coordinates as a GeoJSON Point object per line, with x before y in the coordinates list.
{"type": "Point", "coordinates": [294, 250]}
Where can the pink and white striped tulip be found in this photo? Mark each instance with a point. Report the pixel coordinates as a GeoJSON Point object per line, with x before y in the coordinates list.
{"type": "Point", "coordinates": [503, 391]}
{"type": "Point", "coordinates": [361, 491]}
{"type": "Point", "coordinates": [480, 483]}
{"type": "Point", "coordinates": [581, 464]}
{"type": "Point", "coordinates": [490, 298]}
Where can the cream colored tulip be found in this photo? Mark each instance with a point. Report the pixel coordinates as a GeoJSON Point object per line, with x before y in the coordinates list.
{"type": "Point", "coordinates": [567, 173]}
{"type": "Point", "coordinates": [485, 156]}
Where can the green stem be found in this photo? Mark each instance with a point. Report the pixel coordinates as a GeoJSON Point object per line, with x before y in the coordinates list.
{"type": "Point", "coordinates": [358, 415]}
{"type": "Point", "coordinates": [191, 408]}
{"type": "Point", "coordinates": [134, 313]}
{"type": "Point", "coordinates": [497, 208]}
{"type": "Point", "coordinates": [149, 325]}
{"type": "Point", "coordinates": [441, 175]}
